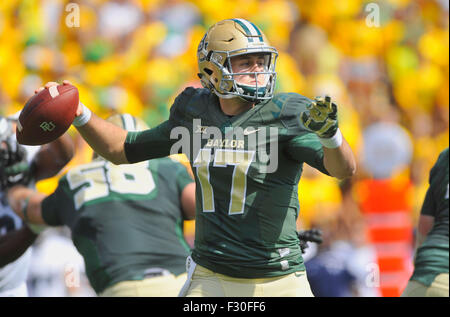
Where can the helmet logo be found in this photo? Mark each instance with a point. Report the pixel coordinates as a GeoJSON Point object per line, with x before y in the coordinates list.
{"type": "Point", "coordinates": [216, 58]}
{"type": "Point", "coordinates": [203, 44]}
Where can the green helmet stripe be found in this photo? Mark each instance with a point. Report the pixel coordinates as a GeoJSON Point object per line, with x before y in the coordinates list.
{"type": "Point", "coordinates": [251, 29]}
{"type": "Point", "coordinates": [257, 30]}
{"type": "Point", "coordinates": [250, 39]}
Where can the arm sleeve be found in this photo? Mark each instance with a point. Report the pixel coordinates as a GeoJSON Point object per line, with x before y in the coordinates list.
{"type": "Point", "coordinates": [302, 145]}
{"type": "Point", "coordinates": [156, 142]}
{"type": "Point", "coordinates": [149, 144]}
{"type": "Point", "coordinates": [307, 148]}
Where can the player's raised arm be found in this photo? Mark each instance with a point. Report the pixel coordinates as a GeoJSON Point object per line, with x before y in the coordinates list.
{"type": "Point", "coordinates": [111, 141]}
{"type": "Point", "coordinates": [52, 157]}
{"type": "Point", "coordinates": [105, 138]}
{"type": "Point", "coordinates": [321, 118]}
{"type": "Point", "coordinates": [26, 203]}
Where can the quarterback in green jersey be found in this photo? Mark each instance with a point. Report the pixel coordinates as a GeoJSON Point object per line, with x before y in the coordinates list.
{"type": "Point", "coordinates": [246, 147]}
{"type": "Point", "coordinates": [430, 276]}
{"type": "Point", "coordinates": [126, 220]}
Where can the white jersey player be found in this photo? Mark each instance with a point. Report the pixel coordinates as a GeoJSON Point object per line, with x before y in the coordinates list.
{"type": "Point", "coordinates": [15, 236]}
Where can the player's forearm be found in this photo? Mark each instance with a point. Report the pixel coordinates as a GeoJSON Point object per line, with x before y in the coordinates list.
{"type": "Point", "coordinates": [340, 162]}
{"type": "Point", "coordinates": [26, 203]}
{"type": "Point", "coordinates": [53, 157]}
{"type": "Point", "coordinates": [14, 244]}
{"type": "Point", "coordinates": [150, 144]}
{"type": "Point", "coordinates": [188, 201]}
{"type": "Point", "coordinates": [105, 138]}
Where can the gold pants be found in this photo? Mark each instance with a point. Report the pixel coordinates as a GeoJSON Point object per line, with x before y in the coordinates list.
{"type": "Point", "coordinates": [439, 288]}
{"type": "Point", "coordinates": [161, 286]}
{"type": "Point", "coordinates": [206, 283]}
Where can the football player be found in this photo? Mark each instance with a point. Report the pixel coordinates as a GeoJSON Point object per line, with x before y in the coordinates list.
{"type": "Point", "coordinates": [22, 165]}
{"type": "Point", "coordinates": [246, 146]}
{"type": "Point", "coordinates": [126, 220]}
{"type": "Point", "coordinates": [430, 276]}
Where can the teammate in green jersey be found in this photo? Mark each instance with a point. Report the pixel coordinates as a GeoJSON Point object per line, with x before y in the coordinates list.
{"type": "Point", "coordinates": [126, 220]}
{"type": "Point", "coordinates": [430, 276]}
{"type": "Point", "coordinates": [246, 147]}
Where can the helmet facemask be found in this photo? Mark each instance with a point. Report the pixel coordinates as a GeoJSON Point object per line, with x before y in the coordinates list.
{"type": "Point", "coordinates": [261, 89]}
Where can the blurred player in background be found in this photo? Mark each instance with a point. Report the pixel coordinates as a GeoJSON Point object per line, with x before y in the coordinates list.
{"type": "Point", "coordinates": [126, 220]}
{"type": "Point", "coordinates": [430, 276]}
{"type": "Point", "coordinates": [133, 56]}
{"type": "Point", "coordinates": [246, 241]}
{"type": "Point", "coordinates": [22, 165]}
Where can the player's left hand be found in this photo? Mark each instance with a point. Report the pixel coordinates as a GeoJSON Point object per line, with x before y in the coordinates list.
{"type": "Point", "coordinates": [321, 117]}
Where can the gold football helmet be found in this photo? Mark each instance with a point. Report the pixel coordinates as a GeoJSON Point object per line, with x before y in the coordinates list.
{"type": "Point", "coordinates": [229, 38]}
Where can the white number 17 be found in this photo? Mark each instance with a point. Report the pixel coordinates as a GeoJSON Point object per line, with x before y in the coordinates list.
{"type": "Point", "coordinates": [241, 161]}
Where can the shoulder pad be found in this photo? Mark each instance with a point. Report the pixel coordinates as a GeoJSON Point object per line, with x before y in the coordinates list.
{"type": "Point", "coordinates": [294, 104]}
{"type": "Point", "coordinates": [441, 163]}
{"type": "Point", "coordinates": [190, 104]}
{"type": "Point", "coordinates": [288, 108]}
{"type": "Point", "coordinates": [444, 155]}
{"type": "Point", "coordinates": [288, 104]}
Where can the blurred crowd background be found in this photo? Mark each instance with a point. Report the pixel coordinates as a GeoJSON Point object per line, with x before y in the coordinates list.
{"type": "Point", "coordinates": [385, 63]}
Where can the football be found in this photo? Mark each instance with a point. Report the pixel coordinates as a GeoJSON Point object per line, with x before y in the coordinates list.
{"type": "Point", "coordinates": [47, 115]}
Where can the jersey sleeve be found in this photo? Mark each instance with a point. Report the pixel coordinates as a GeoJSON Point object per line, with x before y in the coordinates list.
{"type": "Point", "coordinates": [307, 148]}
{"type": "Point", "coordinates": [55, 205]}
{"type": "Point", "coordinates": [292, 105]}
{"type": "Point", "coordinates": [157, 142]}
{"type": "Point", "coordinates": [302, 144]}
{"type": "Point", "coordinates": [149, 144]}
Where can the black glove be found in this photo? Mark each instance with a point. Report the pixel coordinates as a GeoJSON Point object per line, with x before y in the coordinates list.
{"type": "Point", "coordinates": [313, 235]}
{"type": "Point", "coordinates": [19, 173]}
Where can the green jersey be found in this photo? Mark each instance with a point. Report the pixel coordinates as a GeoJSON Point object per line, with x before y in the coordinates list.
{"type": "Point", "coordinates": [247, 168]}
{"type": "Point", "coordinates": [432, 256]}
{"type": "Point", "coordinates": [125, 219]}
